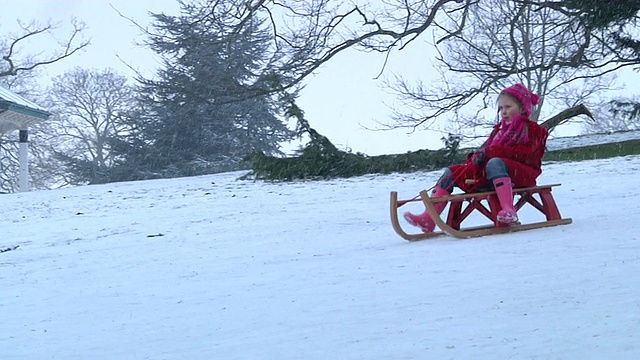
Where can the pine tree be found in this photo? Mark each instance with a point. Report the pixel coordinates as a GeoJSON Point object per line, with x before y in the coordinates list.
{"type": "Point", "coordinates": [209, 105]}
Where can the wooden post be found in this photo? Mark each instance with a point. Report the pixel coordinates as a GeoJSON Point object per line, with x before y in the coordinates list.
{"type": "Point", "coordinates": [24, 160]}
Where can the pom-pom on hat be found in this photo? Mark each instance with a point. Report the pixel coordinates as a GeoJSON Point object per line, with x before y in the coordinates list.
{"type": "Point", "coordinates": [524, 95]}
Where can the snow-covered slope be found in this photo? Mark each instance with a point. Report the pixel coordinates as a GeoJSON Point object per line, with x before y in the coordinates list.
{"type": "Point", "coordinates": [213, 268]}
{"type": "Point", "coordinates": [556, 143]}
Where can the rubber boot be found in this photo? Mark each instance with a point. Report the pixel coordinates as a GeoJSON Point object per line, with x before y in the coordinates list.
{"type": "Point", "coordinates": [424, 221]}
{"type": "Point", "coordinates": [504, 190]}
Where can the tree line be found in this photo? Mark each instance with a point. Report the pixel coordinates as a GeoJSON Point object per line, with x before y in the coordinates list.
{"type": "Point", "coordinates": [231, 72]}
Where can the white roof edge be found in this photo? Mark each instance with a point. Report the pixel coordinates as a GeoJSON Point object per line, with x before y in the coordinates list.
{"type": "Point", "coordinates": [9, 96]}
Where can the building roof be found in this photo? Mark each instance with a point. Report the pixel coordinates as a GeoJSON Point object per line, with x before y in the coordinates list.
{"type": "Point", "coordinates": [17, 113]}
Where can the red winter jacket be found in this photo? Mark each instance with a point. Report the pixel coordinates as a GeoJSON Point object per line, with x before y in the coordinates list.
{"type": "Point", "coordinates": [523, 160]}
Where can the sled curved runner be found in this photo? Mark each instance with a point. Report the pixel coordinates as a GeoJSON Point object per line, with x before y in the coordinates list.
{"type": "Point", "coordinates": [485, 203]}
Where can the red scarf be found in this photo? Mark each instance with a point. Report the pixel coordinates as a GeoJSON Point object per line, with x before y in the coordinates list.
{"type": "Point", "coordinates": [512, 133]}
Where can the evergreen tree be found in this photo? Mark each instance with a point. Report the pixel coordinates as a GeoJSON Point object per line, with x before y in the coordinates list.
{"type": "Point", "coordinates": [209, 105]}
{"type": "Point", "coordinates": [618, 19]}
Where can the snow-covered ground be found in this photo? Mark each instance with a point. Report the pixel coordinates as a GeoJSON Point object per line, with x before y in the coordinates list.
{"type": "Point", "coordinates": [213, 268]}
{"type": "Point", "coordinates": [556, 143]}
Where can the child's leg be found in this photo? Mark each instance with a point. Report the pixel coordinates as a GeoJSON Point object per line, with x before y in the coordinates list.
{"type": "Point", "coordinates": [443, 187]}
{"type": "Point", "coordinates": [496, 168]}
{"type": "Point", "coordinates": [446, 182]}
{"type": "Point", "coordinates": [498, 173]}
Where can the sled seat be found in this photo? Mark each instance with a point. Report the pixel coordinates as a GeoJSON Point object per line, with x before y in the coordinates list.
{"type": "Point", "coordinates": [461, 206]}
{"type": "Point", "coordinates": [458, 212]}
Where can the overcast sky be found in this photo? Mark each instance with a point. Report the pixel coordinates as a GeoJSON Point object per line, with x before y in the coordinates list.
{"type": "Point", "coordinates": [339, 101]}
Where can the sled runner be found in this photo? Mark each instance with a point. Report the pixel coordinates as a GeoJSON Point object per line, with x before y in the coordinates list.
{"type": "Point", "coordinates": [461, 206]}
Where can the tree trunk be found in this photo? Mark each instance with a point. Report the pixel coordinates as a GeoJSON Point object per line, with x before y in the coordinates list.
{"type": "Point", "coordinates": [565, 115]}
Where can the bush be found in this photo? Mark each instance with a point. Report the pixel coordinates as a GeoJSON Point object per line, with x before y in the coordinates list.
{"type": "Point", "coordinates": [320, 159]}
{"type": "Point", "coordinates": [602, 151]}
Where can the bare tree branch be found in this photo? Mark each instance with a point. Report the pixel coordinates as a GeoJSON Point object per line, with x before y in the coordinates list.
{"type": "Point", "coordinates": [16, 63]}
{"type": "Point", "coordinates": [565, 115]}
{"type": "Point", "coordinates": [506, 42]}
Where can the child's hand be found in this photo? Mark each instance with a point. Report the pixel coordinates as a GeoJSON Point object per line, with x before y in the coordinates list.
{"type": "Point", "coordinates": [479, 157]}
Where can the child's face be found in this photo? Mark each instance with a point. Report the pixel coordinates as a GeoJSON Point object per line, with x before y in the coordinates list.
{"type": "Point", "coordinates": [508, 107]}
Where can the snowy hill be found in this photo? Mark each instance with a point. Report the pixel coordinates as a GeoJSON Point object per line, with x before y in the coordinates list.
{"type": "Point", "coordinates": [591, 139]}
{"type": "Point", "coordinates": [213, 268]}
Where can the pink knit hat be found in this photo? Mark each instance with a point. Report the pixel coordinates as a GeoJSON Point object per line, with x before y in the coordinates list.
{"type": "Point", "coordinates": [526, 97]}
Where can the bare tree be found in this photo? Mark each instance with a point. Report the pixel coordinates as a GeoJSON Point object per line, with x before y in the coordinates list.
{"type": "Point", "coordinates": [306, 34]}
{"type": "Point", "coordinates": [19, 68]}
{"type": "Point", "coordinates": [89, 108]}
{"type": "Point", "coordinates": [18, 57]}
{"type": "Point", "coordinates": [504, 42]}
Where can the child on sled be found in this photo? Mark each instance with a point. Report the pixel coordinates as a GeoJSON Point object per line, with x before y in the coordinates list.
{"type": "Point", "coordinates": [510, 157]}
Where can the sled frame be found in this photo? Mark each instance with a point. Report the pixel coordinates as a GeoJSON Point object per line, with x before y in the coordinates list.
{"type": "Point", "coordinates": [487, 204]}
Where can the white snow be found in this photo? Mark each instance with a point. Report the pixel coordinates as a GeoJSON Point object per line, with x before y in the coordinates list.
{"type": "Point", "coordinates": [8, 96]}
{"type": "Point", "coordinates": [567, 142]}
{"type": "Point", "coordinates": [213, 268]}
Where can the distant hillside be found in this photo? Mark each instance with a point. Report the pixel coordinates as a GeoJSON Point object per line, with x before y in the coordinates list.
{"type": "Point", "coordinates": [591, 139]}
{"type": "Point", "coordinates": [596, 146]}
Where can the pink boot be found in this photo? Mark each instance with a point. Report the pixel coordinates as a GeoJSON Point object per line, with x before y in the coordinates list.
{"type": "Point", "coordinates": [424, 221]}
{"type": "Point", "coordinates": [504, 190]}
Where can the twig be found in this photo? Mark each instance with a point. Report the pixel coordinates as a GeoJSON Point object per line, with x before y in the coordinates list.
{"type": "Point", "coordinates": [10, 248]}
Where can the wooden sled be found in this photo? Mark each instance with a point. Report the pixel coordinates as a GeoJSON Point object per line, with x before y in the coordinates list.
{"type": "Point", "coordinates": [461, 206]}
